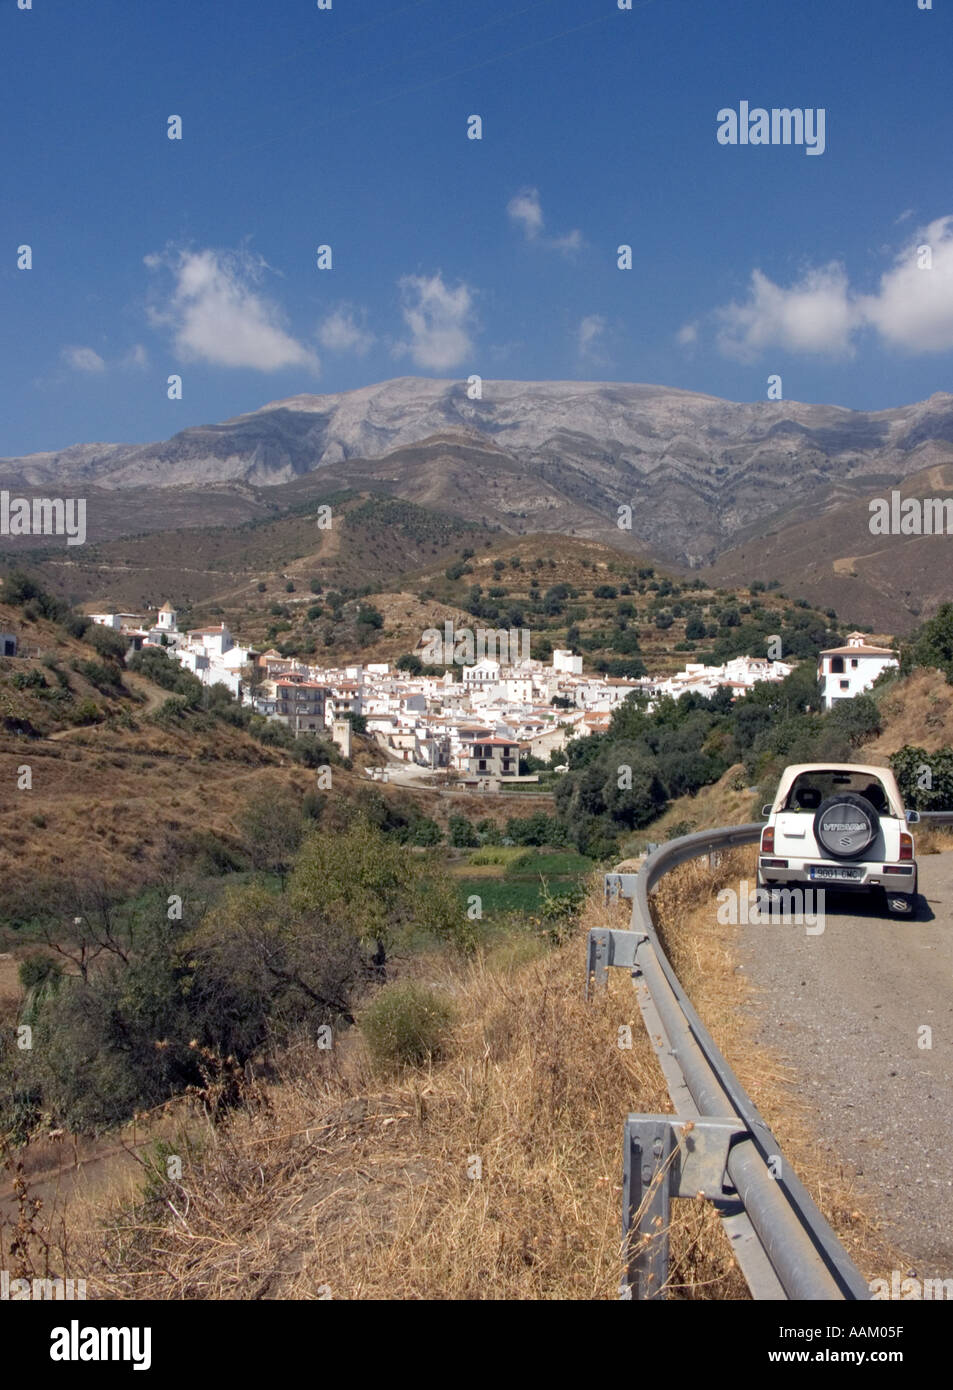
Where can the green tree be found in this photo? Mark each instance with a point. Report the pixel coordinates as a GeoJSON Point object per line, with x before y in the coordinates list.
{"type": "Point", "coordinates": [272, 828]}
{"type": "Point", "coordinates": [931, 645]}
{"type": "Point", "coordinates": [368, 880]}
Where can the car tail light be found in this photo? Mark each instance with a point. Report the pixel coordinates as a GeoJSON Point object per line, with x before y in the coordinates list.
{"type": "Point", "coordinates": [906, 846]}
{"type": "Point", "coordinates": [767, 840]}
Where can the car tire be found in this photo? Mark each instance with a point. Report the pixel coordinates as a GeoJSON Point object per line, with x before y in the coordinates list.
{"type": "Point", "coordinates": [852, 810]}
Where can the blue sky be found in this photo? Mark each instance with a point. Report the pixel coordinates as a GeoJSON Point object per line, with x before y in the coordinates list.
{"type": "Point", "coordinates": [452, 256]}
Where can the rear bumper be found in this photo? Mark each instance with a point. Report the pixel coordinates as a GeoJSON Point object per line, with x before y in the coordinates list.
{"type": "Point", "coordinates": [902, 880]}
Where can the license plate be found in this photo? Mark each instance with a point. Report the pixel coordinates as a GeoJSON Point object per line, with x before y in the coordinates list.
{"type": "Point", "coordinates": [837, 875]}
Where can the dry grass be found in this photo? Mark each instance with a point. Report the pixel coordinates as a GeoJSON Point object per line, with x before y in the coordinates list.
{"type": "Point", "coordinates": [334, 1180]}
{"type": "Point", "coordinates": [702, 954]}
{"type": "Point", "coordinates": [917, 710]}
{"type": "Point", "coordinates": [933, 839]}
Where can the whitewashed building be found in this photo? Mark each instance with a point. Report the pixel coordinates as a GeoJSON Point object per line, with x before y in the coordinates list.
{"type": "Point", "coordinates": [848, 671]}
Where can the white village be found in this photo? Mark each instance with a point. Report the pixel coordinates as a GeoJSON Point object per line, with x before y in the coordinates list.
{"type": "Point", "coordinates": [479, 726]}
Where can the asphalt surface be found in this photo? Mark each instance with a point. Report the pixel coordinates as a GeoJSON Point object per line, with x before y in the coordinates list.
{"type": "Point", "coordinates": [846, 1009]}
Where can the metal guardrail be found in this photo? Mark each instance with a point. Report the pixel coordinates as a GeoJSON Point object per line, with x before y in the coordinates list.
{"type": "Point", "coordinates": [716, 1145]}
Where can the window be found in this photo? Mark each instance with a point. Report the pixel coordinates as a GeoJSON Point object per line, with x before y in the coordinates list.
{"type": "Point", "coordinates": [853, 662]}
{"type": "Point", "coordinates": [837, 665]}
{"type": "Point", "coordinates": [844, 685]}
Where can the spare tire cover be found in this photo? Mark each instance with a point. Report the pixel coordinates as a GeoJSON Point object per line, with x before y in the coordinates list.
{"type": "Point", "coordinates": [845, 825]}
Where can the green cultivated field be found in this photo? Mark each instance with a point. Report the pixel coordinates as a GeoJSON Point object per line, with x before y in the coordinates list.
{"type": "Point", "coordinates": [517, 888]}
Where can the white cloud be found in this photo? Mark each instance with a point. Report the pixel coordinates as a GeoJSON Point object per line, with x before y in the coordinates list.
{"type": "Point", "coordinates": [913, 308]}
{"type": "Point", "coordinates": [687, 335]}
{"type": "Point", "coordinates": [814, 316]}
{"type": "Point", "coordinates": [217, 314]}
{"type": "Point", "coordinates": [590, 330]}
{"type": "Point", "coordinates": [341, 332]}
{"type": "Point", "coordinates": [526, 211]}
{"type": "Point", "coordinates": [439, 319]}
{"type": "Point", "coordinates": [570, 242]}
{"type": "Point", "coordinates": [83, 359]}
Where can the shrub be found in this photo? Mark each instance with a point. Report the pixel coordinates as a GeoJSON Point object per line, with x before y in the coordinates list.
{"type": "Point", "coordinates": [37, 969]}
{"type": "Point", "coordinates": [427, 832]}
{"type": "Point", "coordinates": [858, 719]}
{"type": "Point", "coordinates": [106, 641]}
{"type": "Point", "coordinates": [538, 829]}
{"type": "Point", "coordinates": [21, 590]}
{"type": "Point", "coordinates": [407, 1024]}
{"type": "Point", "coordinates": [28, 680]}
{"type": "Point", "coordinates": [369, 617]}
{"type": "Point", "coordinates": [462, 833]}
{"type": "Point", "coordinates": [925, 779]}
{"type": "Point", "coordinates": [559, 912]}
{"type": "Point", "coordinates": [165, 671]}
{"type": "Point", "coordinates": [312, 751]}
{"type": "Point", "coordinates": [931, 645]}
{"type": "Point", "coordinates": [170, 710]}
{"type": "Point", "coordinates": [104, 677]}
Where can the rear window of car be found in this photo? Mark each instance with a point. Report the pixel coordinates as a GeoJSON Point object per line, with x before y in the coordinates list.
{"type": "Point", "coordinates": [809, 789]}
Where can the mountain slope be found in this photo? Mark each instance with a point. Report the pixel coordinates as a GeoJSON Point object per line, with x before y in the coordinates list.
{"type": "Point", "coordinates": [702, 476]}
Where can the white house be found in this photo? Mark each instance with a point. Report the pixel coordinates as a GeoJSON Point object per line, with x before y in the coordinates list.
{"type": "Point", "coordinates": [847, 671]}
{"type": "Point", "coordinates": [483, 673]}
{"type": "Point", "coordinates": [566, 663]}
{"type": "Point", "coordinates": [214, 641]}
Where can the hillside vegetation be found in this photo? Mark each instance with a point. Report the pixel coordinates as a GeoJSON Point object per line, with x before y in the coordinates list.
{"type": "Point", "coordinates": [487, 1168]}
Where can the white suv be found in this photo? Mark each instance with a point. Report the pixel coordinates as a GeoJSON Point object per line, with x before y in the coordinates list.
{"type": "Point", "coordinates": [842, 825]}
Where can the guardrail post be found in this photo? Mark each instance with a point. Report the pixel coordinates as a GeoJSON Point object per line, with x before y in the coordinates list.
{"type": "Point", "coordinates": [646, 1205]}
{"type": "Point", "coordinates": [597, 959]}
{"type": "Point", "coordinates": [667, 1157]}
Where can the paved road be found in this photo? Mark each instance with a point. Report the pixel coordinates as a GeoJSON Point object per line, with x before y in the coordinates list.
{"type": "Point", "coordinates": [845, 1008]}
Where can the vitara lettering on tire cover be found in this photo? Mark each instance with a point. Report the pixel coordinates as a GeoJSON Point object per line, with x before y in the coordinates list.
{"type": "Point", "coordinates": [845, 825]}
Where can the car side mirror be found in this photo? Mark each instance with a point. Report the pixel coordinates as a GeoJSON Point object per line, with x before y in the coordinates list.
{"type": "Point", "coordinates": [766, 810]}
{"type": "Point", "coordinates": [913, 818]}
